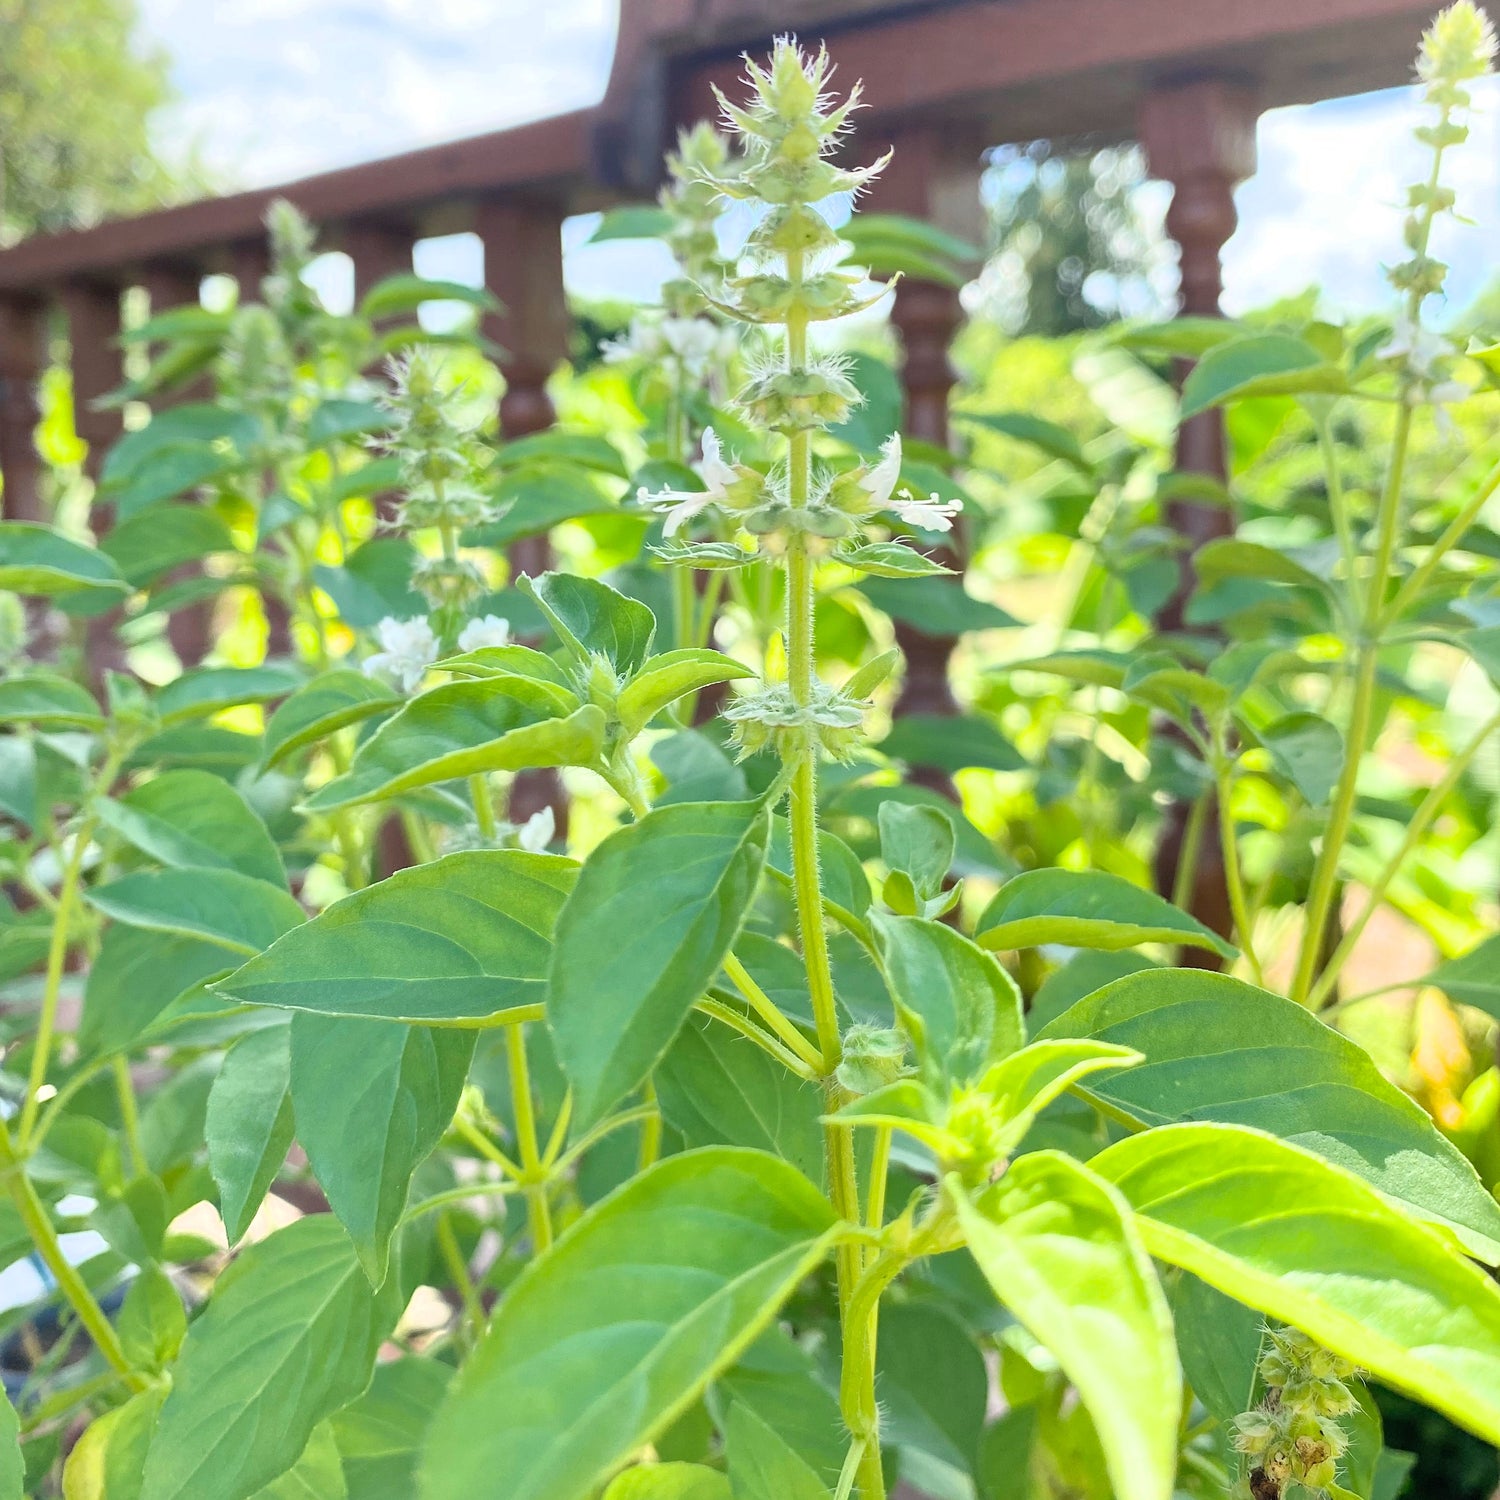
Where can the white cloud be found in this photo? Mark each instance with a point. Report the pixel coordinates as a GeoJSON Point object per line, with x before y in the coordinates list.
{"type": "Point", "coordinates": [271, 90]}
{"type": "Point", "coordinates": [1327, 203]}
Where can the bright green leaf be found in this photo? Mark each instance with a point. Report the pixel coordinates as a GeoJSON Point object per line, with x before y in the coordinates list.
{"type": "Point", "coordinates": [401, 1083]}
{"type": "Point", "coordinates": [289, 1336]}
{"type": "Point", "coordinates": [1308, 751]}
{"type": "Point", "coordinates": [465, 729]}
{"type": "Point", "coordinates": [48, 702]}
{"type": "Point", "coordinates": [249, 1125]}
{"type": "Point", "coordinates": [188, 819]}
{"type": "Point", "coordinates": [664, 679]}
{"type": "Point", "coordinates": [761, 1464]}
{"type": "Point", "coordinates": [592, 618]}
{"type": "Point", "coordinates": [1278, 1228]}
{"type": "Point", "coordinates": [35, 559]}
{"type": "Point", "coordinates": [326, 704]}
{"type": "Point", "coordinates": [1059, 1247]}
{"type": "Point", "coordinates": [1087, 909]}
{"type": "Point", "coordinates": [1473, 978]}
{"type": "Point", "coordinates": [380, 1436]}
{"type": "Point", "coordinates": [604, 1340]}
{"type": "Point", "coordinates": [1274, 1066]}
{"type": "Point", "coordinates": [206, 690]}
{"type": "Point", "coordinates": [459, 942]}
{"type": "Point", "coordinates": [235, 911]}
{"type": "Point", "coordinates": [1262, 364]}
{"type": "Point", "coordinates": [670, 892]}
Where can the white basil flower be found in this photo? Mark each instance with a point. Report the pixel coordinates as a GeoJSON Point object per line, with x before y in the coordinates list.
{"type": "Point", "coordinates": [682, 506]}
{"type": "Point", "coordinates": [537, 831]}
{"type": "Point", "coordinates": [489, 631]}
{"type": "Point", "coordinates": [880, 483]}
{"type": "Point", "coordinates": [931, 514]}
{"type": "Point", "coordinates": [410, 648]}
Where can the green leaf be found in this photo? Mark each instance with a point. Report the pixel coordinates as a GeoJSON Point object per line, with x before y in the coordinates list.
{"type": "Point", "coordinates": [1038, 432]}
{"type": "Point", "coordinates": [602, 1342]}
{"type": "Point", "coordinates": [249, 1125]}
{"type": "Point", "coordinates": [464, 941]}
{"type": "Point", "coordinates": [533, 499]}
{"type": "Point", "coordinates": [1087, 909]}
{"type": "Point", "coordinates": [632, 221]}
{"type": "Point", "coordinates": [207, 690]}
{"type": "Point", "coordinates": [465, 729]}
{"type": "Point", "coordinates": [889, 560]}
{"type": "Point", "coordinates": [1219, 1341]}
{"type": "Point", "coordinates": [917, 841]}
{"type": "Point", "coordinates": [149, 545]}
{"type": "Point", "coordinates": [559, 445]}
{"type": "Point", "coordinates": [194, 818]}
{"type": "Point", "coordinates": [951, 743]}
{"type": "Point", "coordinates": [1263, 364]}
{"type": "Point", "coordinates": [778, 1379]}
{"type": "Point", "coordinates": [1060, 1249]}
{"type": "Point", "coordinates": [380, 1436]}
{"type": "Point", "coordinates": [12, 1466]}
{"type": "Point", "coordinates": [235, 911]}
{"type": "Point", "coordinates": [592, 618]}
{"type": "Point", "coordinates": [1230, 558]}
{"type": "Point", "coordinates": [107, 1461]}
{"type": "Point", "coordinates": [1473, 978]}
{"type": "Point", "coordinates": [289, 1336]}
{"type": "Point", "coordinates": [714, 1090]}
{"type": "Point", "coordinates": [317, 1475]}
{"type": "Point", "coordinates": [152, 1320]}
{"type": "Point", "coordinates": [1309, 752]}
{"type": "Point", "coordinates": [669, 1482]}
{"type": "Point", "coordinates": [405, 292]}
{"type": "Point", "coordinates": [326, 704]}
{"type": "Point", "coordinates": [401, 1083]}
{"type": "Point", "coordinates": [1189, 337]}
{"type": "Point", "coordinates": [35, 559]}
{"type": "Point", "coordinates": [338, 420]}
{"type": "Point", "coordinates": [511, 661]}
{"type": "Point", "coordinates": [762, 1466]}
{"type": "Point", "coordinates": [671, 892]}
{"type": "Point", "coordinates": [373, 583]}
{"type": "Point", "coordinates": [936, 606]}
{"type": "Point", "coordinates": [137, 974]}
{"type": "Point", "coordinates": [1276, 1227]}
{"type": "Point", "coordinates": [1026, 1082]}
{"type": "Point", "coordinates": [932, 1383]}
{"type": "Point", "coordinates": [48, 702]}
{"type": "Point", "coordinates": [1275, 1067]}
{"type": "Point", "coordinates": [846, 887]}
{"type": "Point", "coordinates": [960, 1009]}
{"type": "Point", "coordinates": [664, 679]}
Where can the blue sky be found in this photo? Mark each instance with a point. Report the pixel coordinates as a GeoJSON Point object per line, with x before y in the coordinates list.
{"type": "Point", "coordinates": [274, 89]}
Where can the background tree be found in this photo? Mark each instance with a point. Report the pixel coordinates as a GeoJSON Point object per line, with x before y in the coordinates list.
{"type": "Point", "coordinates": [1075, 244]}
{"type": "Point", "coordinates": [76, 94]}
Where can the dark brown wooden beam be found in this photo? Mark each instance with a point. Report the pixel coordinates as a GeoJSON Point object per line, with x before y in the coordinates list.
{"type": "Point", "coordinates": [547, 152]}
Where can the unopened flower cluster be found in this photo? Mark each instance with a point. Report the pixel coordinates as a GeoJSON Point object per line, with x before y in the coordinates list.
{"type": "Point", "coordinates": [1458, 48]}
{"type": "Point", "coordinates": [792, 281]}
{"type": "Point", "coordinates": [1293, 1438]}
{"type": "Point", "coordinates": [440, 462]}
{"type": "Point", "coordinates": [694, 349]}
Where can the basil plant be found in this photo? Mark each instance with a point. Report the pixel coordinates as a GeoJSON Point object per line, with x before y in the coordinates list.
{"type": "Point", "coordinates": [692, 1157]}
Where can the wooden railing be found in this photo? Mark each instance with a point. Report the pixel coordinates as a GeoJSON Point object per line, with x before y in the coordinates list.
{"type": "Point", "coordinates": [945, 79]}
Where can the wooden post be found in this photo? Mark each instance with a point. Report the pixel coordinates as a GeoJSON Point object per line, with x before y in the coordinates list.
{"type": "Point", "coordinates": [1200, 137]}
{"type": "Point", "coordinates": [523, 268]}
{"type": "Point", "coordinates": [378, 250]}
{"type": "Point", "coordinates": [23, 352]}
{"type": "Point", "coordinates": [93, 313]}
{"type": "Point", "coordinates": [934, 176]}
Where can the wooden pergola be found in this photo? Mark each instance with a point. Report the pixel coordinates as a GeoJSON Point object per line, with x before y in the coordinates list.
{"type": "Point", "coordinates": [945, 79]}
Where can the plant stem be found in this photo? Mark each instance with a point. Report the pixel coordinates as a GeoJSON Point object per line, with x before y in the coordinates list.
{"type": "Point", "coordinates": [533, 1177]}
{"type": "Point", "coordinates": [1452, 535]}
{"type": "Point", "coordinates": [1234, 880]}
{"type": "Point", "coordinates": [458, 1269]}
{"type": "Point", "coordinates": [769, 1012]}
{"type": "Point", "coordinates": [57, 953]}
{"type": "Point", "coordinates": [762, 1039]}
{"type": "Point", "coordinates": [1341, 814]}
{"type": "Point", "coordinates": [1192, 849]}
{"type": "Point", "coordinates": [858, 1328]}
{"type": "Point", "coordinates": [484, 807]}
{"type": "Point", "coordinates": [1421, 821]}
{"type": "Point", "coordinates": [34, 1216]}
{"type": "Point", "coordinates": [130, 1117]}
